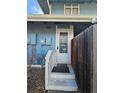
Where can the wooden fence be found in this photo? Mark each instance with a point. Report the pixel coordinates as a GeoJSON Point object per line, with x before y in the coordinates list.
{"type": "Point", "coordinates": [84, 59]}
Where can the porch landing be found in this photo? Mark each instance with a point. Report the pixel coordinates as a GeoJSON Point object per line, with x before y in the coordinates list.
{"type": "Point", "coordinates": [60, 75]}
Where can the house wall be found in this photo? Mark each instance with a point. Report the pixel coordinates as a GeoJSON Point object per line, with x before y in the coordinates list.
{"type": "Point", "coordinates": [57, 9]}
{"type": "Point", "coordinates": [37, 33]}
{"type": "Point", "coordinates": [86, 9]}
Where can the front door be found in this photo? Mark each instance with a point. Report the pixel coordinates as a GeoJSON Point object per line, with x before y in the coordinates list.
{"type": "Point", "coordinates": [63, 45]}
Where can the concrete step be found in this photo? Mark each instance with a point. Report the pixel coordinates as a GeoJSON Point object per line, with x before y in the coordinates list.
{"type": "Point", "coordinates": [62, 84]}
{"type": "Point", "coordinates": [54, 91]}
{"type": "Point", "coordinates": [69, 75]}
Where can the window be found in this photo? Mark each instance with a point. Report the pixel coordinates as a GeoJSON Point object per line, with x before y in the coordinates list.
{"type": "Point", "coordinates": [68, 11]}
{"type": "Point", "coordinates": [75, 11]}
{"type": "Point", "coordinates": [71, 9]}
{"type": "Point", "coordinates": [63, 42]}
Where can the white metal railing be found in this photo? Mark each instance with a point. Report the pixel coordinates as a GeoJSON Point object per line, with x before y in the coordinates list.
{"type": "Point", "coordinates": [49, 64]}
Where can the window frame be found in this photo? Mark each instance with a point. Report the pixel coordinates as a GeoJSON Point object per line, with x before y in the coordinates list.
{"type": "Point", "coordinates": [72, 6]}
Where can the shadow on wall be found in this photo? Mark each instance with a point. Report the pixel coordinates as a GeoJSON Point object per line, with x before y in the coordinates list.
{"type": "Point", "coordinates": [36, 51]}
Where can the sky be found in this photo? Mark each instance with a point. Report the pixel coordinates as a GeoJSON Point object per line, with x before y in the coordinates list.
{"type": "Point", "coordinates": [33, 7]}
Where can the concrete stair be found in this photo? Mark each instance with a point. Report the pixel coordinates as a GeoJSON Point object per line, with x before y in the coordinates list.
{"type": "Point", "coordinates": [62, 84]}
{"type": "Point", "coordinates": [58, 76]}
{"type": "Point", "coordinates": [63, 81]}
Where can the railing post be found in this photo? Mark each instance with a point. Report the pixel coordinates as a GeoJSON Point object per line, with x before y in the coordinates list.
{"type": "Point", "coordinates": [47, 58]}
{"type": "Point", "coordinates": [50, 59]}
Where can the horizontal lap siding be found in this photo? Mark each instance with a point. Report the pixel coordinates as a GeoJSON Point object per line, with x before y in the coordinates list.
{"type": "Point", "coordinates": [57, 9]}
{"type": "Point", "coordinates": [86, 9]}
{"type": "Point", "coordinates": [84, 59]}
{"type": "Point", "coordinates": [42, 32]}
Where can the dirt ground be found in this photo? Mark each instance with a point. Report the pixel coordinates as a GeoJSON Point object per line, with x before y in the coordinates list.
{"type": "Point", "coordinates": [36, 81]}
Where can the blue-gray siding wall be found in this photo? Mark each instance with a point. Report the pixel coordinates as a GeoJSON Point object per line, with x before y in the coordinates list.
{"type": "Point", "coordinates": [57, 9]}
{"type": "Point", "coordinates": [86, 9]}
{"type": "Point", "coordinates": [40, 39]}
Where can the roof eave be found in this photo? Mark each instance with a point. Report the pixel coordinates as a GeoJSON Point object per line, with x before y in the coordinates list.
{"type": "Point", "coordinates": [44, 4]}
{"type": "Point", "coordinates": [49, 18]}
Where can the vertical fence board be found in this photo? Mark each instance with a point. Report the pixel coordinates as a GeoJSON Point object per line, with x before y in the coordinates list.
{"type": "Point", "coordinates": [94, 58]}
{"type": "Point", "coordinates": [72, 53]}
{"type": "Point", "coordinates": [84, 59]}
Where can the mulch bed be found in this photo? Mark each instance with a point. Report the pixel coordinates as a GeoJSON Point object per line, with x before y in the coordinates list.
{"type": "Point", "coordinates": [35, 80]}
